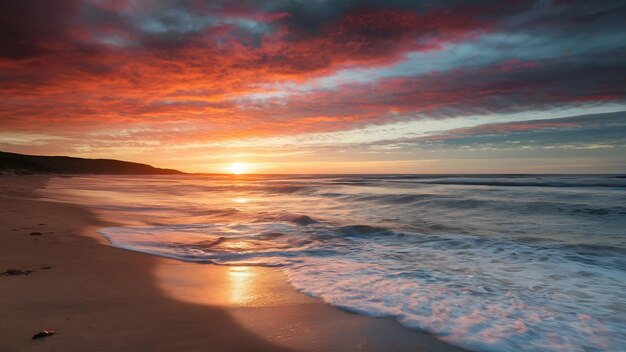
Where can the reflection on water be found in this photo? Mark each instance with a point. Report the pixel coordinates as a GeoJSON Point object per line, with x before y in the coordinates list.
{"type": "Point", "coordinates": [237, 286]}
{"type": "Point", "coordinates": [241, 282]}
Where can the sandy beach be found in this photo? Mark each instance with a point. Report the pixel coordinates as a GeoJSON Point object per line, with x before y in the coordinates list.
{"type": "Point", "coordinates": [99, 298]}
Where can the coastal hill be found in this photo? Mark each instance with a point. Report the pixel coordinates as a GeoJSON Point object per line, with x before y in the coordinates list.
{"type": "Point", "coordinates": [12, 163]}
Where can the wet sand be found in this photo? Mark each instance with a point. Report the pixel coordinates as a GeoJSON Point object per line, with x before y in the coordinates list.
{"type": "Point", "coordinates": [101, 298]}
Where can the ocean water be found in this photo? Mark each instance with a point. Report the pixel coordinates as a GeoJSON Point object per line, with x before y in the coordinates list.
{"type": "Point", "coordinates": [489, 263]}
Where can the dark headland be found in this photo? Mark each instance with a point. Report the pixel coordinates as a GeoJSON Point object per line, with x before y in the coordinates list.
{"type": "Point", "coordinates": [20, 164]}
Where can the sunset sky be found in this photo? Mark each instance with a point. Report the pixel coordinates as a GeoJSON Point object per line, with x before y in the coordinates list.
{"type": "Point", "coordinates": [318, 86]}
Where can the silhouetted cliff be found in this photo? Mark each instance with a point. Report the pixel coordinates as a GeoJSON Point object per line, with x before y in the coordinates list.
{"type": "Point", "coordinates": [34, 164]}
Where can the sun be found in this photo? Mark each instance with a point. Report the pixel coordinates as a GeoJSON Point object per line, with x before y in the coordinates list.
{"type": "Point", "coordinates": [238, 168]}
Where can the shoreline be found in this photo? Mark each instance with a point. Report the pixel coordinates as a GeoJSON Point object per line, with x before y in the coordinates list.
{"type": "Point", "coordinates": [102, 298]}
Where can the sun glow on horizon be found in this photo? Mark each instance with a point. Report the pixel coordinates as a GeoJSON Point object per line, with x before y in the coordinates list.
{"type": "Point", "coordinates": [238, 168]}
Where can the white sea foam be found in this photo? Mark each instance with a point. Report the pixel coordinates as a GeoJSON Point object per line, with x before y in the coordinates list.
{"type": "Point", "coordinates": [479, 293]}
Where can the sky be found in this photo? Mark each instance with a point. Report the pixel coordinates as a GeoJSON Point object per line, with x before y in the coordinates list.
{"type": "Point", "coordinates": [318, 86]}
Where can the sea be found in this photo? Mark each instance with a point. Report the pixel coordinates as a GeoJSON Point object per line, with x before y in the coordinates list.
{"type": "Point", "coordinates": [486, 262]}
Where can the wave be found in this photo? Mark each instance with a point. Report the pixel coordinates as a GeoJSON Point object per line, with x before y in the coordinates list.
{"type": "Point", "coordinates": [473, 291]}
{"type": "Point", "coordinates": [464, 202]}
{"type": "Point", "coordinates": [298, 219]}
{"type": "Point", "coordinates": [526, 182]}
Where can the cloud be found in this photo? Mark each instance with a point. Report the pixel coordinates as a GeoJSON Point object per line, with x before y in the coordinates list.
{"type": "Point", "coordinates": [185, 71]}
{"type": "Point", "coordinates": [606, 130]}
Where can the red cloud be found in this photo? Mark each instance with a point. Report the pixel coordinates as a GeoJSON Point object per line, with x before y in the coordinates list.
{"type": "Point", "coordinates": [60, 76]}
{"type": "Point", "coordinates": [75, 79]}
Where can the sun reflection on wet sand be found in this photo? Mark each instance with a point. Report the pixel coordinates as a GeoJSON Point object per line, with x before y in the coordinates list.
{"type": "Point", "coordinates": [234, 286]}
{"type": "Point", "coordinates": [295, 320]}
{"type": "Point", "coordinates": [241, 278]}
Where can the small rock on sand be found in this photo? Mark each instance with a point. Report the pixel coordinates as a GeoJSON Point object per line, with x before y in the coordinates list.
{"type": "Point", "coordinates": [12, 272]}
{"type": "Point", "coordinates": [44, 333]}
